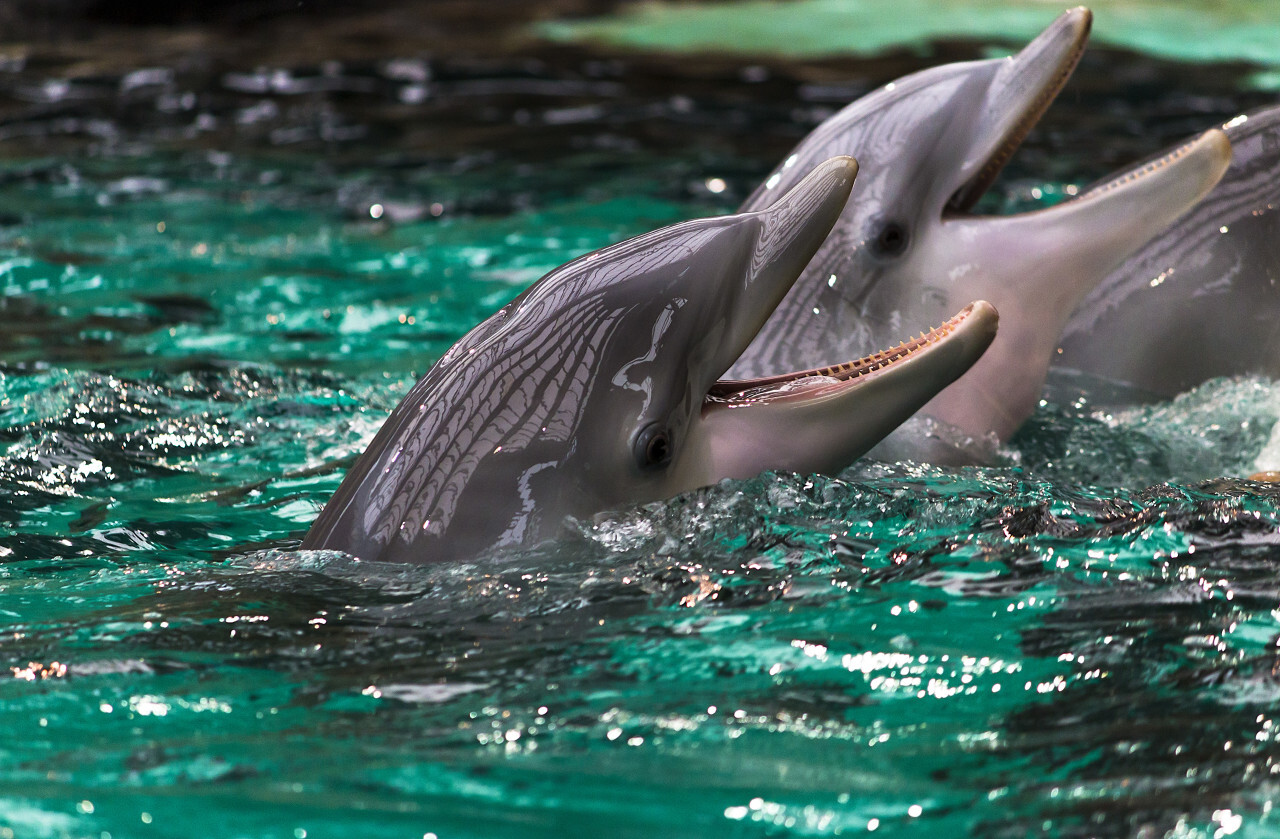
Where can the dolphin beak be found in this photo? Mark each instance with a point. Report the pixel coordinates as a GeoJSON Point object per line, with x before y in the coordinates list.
{"type": "Point", "coordinates": [786, 237]}
{"type": "Point", "coordinates": [828, 417]}
{"type": "Point", "coordinates": [1100, 227]}
{"type": "Point", "coordinates": [1022, 89]}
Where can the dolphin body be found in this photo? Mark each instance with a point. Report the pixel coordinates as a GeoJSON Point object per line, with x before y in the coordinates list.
{"type": "Point", "coordinates": [930, 144]}
{"type": "Point", "coordinates": [598, 388]}
{"type": "Point", "coordinates": [1204, 296]}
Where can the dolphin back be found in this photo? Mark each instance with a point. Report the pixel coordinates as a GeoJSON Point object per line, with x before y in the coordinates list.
{"type": "Point", "coordinates": [433, 483]}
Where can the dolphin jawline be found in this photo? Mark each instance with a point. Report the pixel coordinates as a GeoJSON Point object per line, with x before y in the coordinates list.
{"type": "Point", "coordinates": [822, 419]}
{"type": "Point", "coordinates": [820, 382]}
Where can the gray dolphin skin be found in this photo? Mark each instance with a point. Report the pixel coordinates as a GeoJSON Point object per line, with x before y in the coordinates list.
{"type": "Point", "coordinates": [907, 250]}
{"type": "Point", "coordinates": [598, 388]}
{"type": "Point", "coordinates": [1203, 299]}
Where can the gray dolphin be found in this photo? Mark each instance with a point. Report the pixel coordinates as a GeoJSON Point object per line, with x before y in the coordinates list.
{"type": "Point", "coordinates": [1203, 299]}
{"type": "Point", "coordinates": [597, 388]}
{"type": "Point", "coordinates": [907, 250]}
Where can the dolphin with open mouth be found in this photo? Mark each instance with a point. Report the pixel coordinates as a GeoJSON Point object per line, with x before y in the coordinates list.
{"type": "Point", "coordinates": [908, 250]}
{"type": "Point", "coordinates": [599, 387]}
{"type": "Point", "coordinates": [1205, 295]}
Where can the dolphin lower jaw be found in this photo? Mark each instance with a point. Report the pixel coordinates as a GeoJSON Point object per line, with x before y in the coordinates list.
{"type": "Point", "coordinates": [1039, 265]}
{"type": "Point", "coordinates": [808, 384]}
{"type": "Point", "coordinates": [1063, 251]}
{"type": "Point", "coordinates": [829, 416]}
{"type": "Point", "coordinates": [1207, 155]}
{"type": "Point", "coordinates": [1047, 62]}
{"type": "Point", "coordinates": [1056, 256]}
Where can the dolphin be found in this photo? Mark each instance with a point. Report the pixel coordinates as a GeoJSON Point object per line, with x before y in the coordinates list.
{"type": "Point", "coordinates": [1203, 299]}
{"type": "Point", "coordinates": [598, 388]}
{"type": "Point", "coordinates": [930, 144]}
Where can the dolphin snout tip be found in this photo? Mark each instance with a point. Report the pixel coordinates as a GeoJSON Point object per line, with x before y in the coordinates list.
{"type": "Point", "coordinates": [1078, 19]}
{"type": "Point", "coordinates": [1219, 144]}
{"type": "Point", "coordinates": [842, 168]}
{"type": "Point", "coordinates": [1066, 35]}
{"type": "Point", "coordinates": [1208, 155]}
{"type": "Point", "coordinates": [1080, 15]}
{"type": "Point", "coordinates": [819, 198]}
{"type": "Point", "coordinates": [847, 162]}
{"type": "Point", "coordinates": [984, 317]}
{"type": "Point", "coordinates": [846, 170]}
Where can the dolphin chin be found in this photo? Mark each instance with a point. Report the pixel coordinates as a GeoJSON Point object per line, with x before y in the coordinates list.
{"type": "Point", "coordinates": [598, 388]}
{"type": "Point", "coordinates": [909, 251]}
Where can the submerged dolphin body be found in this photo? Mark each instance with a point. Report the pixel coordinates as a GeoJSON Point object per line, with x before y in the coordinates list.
{"type": "Point", "coordinates": [597, 388]}
{"type": "Point", "coordinates": [907, 250]}
{"type": "Point", "coordinates": [1203, 299]}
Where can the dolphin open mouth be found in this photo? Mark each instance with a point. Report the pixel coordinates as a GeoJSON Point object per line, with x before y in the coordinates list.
{"type": "Point", "coordinates": [822, 419]}
{"type": "Point", "coordinates": [1023, 88]}
{"type": "Point", "coordinates": [819, 382]}
{"type": "Point", "coordinates": [818, 419]}
{"type": "Point", "coordinates": [1033, 79]}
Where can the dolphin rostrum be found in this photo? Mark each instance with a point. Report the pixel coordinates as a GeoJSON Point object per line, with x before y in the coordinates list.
{"type": "Point", "coordinates": [930, 144]}
{"type": "Point", "coordinates": [1203, 299]}
{"type": "Point", "coordinates": [598, 388]}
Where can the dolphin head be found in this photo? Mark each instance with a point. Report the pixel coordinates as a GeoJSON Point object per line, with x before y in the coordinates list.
{"type": "Point", "coordinates": [598, 388]}
{"type": "Point", "coordinates": [909, 251]}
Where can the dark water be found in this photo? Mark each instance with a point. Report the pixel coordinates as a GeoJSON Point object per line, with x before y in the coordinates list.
{"type": "Point", "coordinates": [217, 277]}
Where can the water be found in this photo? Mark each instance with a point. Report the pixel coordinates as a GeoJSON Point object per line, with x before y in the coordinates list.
{"type": "Point", "coordinates": [1195, 30]}
{"type": "Point", "coordinates": [207, 312]}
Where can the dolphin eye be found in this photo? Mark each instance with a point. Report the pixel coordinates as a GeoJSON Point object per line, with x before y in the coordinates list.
{"type": "Point", "coordinates": [652, 447]}
{"type": "Point", "coordinates": [892, 240]}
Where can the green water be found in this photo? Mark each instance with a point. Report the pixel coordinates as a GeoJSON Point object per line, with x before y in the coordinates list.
{"type": "Point", "coordinates": [1077, 641]}
{"type": "Point", "coordinates": [787, 656]}
{"type": "Point", "coordinates": [1194, 30]}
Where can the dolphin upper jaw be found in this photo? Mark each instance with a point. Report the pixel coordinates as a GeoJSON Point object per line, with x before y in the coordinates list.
{"type": "Point", "coordinates": [1020, 91]}
{"type": "Point", "coordinates": [789, 233]}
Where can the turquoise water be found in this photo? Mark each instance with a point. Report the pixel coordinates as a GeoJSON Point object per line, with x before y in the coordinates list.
{"type": "Point", "coordinates": [1080, 640]}
{"type": "Point", "coordinates": [1190, 30]}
